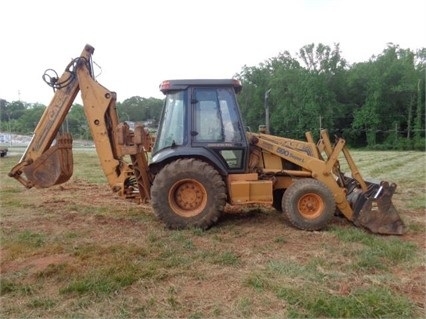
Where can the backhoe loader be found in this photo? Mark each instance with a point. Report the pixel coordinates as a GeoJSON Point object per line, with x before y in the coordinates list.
{"type": "Point", "coordinates": [203, 158]}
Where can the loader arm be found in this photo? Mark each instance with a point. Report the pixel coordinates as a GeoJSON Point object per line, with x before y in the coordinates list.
{"type": "Point", "coordinates": [366, 204]}
{"type": "Point", "coordinates": [46, 163]}
{"type": "Point", "coordinates": [306, 155]}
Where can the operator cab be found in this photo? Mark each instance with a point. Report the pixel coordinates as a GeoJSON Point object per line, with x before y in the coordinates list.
{"type": "Point", "coordinates": [202, 118]}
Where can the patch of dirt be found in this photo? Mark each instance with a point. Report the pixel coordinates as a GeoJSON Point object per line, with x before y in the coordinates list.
{"type": "Point", "coordinates": [35, 264]}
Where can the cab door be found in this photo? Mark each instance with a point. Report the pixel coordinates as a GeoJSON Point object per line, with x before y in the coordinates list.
{"type": "Point", "coordinates": [217, 125]}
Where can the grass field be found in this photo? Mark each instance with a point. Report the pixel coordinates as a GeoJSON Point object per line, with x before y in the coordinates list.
{"type": "Point", "coordinates": [78, 251]}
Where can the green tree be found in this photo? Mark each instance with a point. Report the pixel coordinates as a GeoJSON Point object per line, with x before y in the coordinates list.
{"type": "Point", "coordinates": [255, 81]}
{"type": "Point", "coordinates": [140, 109]}
{"type": "Point", "coordinates": [420, 116]}
{"type": "Point", "coordinates": [76, 122]}
{"type": "Point", "coordinates": [29, 119]}
{"type": "Point", "coordinates": [390, 94]}
{"type": "Point", "coordinates": [302, 90]}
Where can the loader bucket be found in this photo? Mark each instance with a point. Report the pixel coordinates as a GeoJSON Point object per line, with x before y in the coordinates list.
{"type": "Point", "coordinates": [53, 167]}
{"type": "Point", "coordinates": [376, 211]}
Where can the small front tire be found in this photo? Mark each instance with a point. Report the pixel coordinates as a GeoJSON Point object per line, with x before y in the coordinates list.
{"type": "Point", "coordinates": [309, 204]}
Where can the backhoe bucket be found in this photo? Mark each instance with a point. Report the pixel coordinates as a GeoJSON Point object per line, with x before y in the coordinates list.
{"type": "Point", "coordinates": [377, 213]}
{"type": "Point", "coordinates": [53, 167]}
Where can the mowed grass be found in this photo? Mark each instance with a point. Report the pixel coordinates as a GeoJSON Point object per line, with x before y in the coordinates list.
{"type": "Point", "coordinates": [77, 250]}
{"type": "Point", "coordinates": [405, 168]}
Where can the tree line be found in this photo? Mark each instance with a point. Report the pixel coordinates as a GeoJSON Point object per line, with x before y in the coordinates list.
{"type": "Point", "coordinates": [22, 118]}
{"type": "Point", "coordinates": [379, 104]}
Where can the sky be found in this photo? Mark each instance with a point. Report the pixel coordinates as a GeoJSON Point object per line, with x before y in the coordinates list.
{"type": "Point", "coordinates": [139, 43]}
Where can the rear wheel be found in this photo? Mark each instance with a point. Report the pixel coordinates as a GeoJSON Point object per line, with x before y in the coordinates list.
{"type": "Point", "coordinates": [188, 193]}
{"type": "Point", "coordinates": [309, 204]}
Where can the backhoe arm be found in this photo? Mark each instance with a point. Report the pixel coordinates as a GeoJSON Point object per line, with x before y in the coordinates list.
{"type": "Point", "coordinates": [43, 165]}
{"type": "Point", "coordinates": [46, 163]}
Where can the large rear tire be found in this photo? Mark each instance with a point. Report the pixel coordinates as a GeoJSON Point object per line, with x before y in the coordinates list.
{"type": "Point", "coordinates": [309, 204]}
{"type": "Point", "coordinates": [188, 193]}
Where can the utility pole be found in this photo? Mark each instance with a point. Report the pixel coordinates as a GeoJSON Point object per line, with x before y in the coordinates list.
{"type": "Point", "coordinates": [267, 111]}
{"type": "Point", "coordinates": [8, 125]}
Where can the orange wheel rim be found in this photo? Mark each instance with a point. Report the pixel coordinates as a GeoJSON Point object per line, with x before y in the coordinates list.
{"type": "Point", "coordinates": [188, 198]}
{"type": "Point", "coordinates": [310, 205]}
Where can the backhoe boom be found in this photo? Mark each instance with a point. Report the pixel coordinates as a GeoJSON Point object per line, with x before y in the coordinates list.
{"type": "Point", "coordinates": [46, 163]}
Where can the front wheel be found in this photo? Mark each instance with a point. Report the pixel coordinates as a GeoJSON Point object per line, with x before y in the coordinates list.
{"type": "Point", "coordinates": [188, 193]}
{"type": "Point", "coordinates": [309, 204]}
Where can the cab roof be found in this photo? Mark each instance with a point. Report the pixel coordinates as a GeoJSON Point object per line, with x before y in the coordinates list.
{"type": "Point", "coordinates": [173, 85]}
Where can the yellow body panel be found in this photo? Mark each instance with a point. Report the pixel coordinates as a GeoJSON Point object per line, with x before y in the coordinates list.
{"type": "Point", "coordinates": [272, 162]}
{"type": "Point", "coordinates": [246, 188]}
{"type": "Point", "coordinates": [261, 191]}
{"type": "Point", "coordinates": [239, 192]}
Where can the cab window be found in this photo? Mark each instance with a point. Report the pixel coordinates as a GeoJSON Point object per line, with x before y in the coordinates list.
{"type": "Point", "coordinates": [171, 131]}
{"type": "Point", "coordinates": [215, 116]}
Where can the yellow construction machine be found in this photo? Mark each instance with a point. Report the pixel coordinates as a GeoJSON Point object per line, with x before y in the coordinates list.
{"type": "Point", "coordinates": [203, 158]}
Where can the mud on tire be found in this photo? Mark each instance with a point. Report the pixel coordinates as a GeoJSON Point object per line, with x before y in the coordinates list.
{"type": "Point", "coordinates": [309, 204]}
{"type": "Point", "coordinates": [188, 193]}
